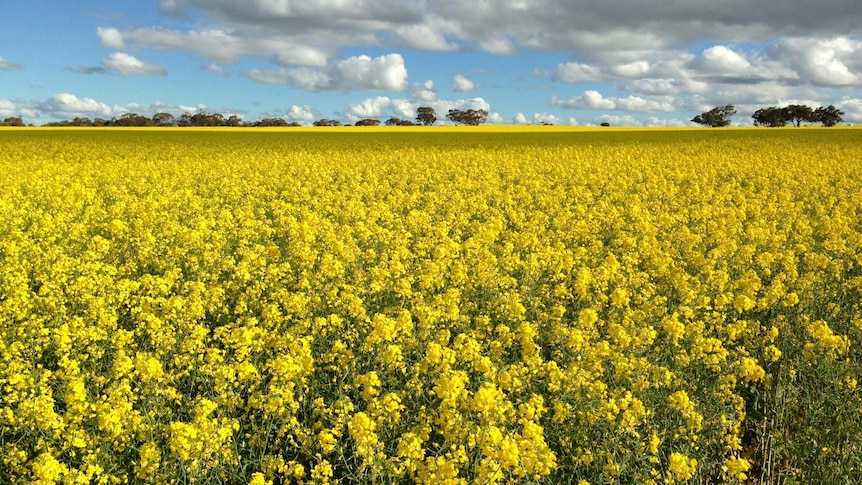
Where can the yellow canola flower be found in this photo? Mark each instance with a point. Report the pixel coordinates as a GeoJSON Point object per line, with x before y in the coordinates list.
{"type": "Point", "coordinates": [434, 305]}
{"type": "Point", "coordinates": [681, 466]}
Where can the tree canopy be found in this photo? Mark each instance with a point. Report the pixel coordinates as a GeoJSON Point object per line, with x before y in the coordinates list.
{"type": "Point", "coordinates": [796, 114]}
{"type": "Point", "coordinates": [716, 117]}
{"type": "Point", "coordinates": [471, 117]}
{"type": "Point", "coordinates": [425, 115]}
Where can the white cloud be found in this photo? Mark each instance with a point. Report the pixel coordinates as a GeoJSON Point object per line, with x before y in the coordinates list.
{"type": "Point", "coordinates": [127, 64]}
{"type": "Point", "coordinates": [595, 101]}
{"type": "Point", "coordinates": [548, 118]}
{"type": "Point", "coordinates": [300, 55]}
{"type": "Point", "coordinates": [498, 45]}
{"type": "Point", "coordinates": [573, 72]}
{"type": "Point", "coordinates": [301, 114]}
{"type": "Point", "coordinates": [833, 61]}
{"type": "Point", "coordinates": [369, 108]}
{"type": "Point", "coordinates": [424, 91]}
{"type": "Point", "coordinates": [384, 73]}
{"type": "Point", "coordinates": [462, 84]}
{"type": "Point", "coordinates": [215, 69]}
{"type": "Point", "coordinates": [496, 118]}
{"type": "Point", "coordinates": [666, 87]}
{"type": "Point", "coordinates": [110, 37]}
{"type": "Point", "coordinates": [7, 65]}
{"type": "Point", "coordinates": [521, 119]}
{"type": "Point", "coordinates": [7, 109]}
{"type": "Point", "coordinates": [68, 106]}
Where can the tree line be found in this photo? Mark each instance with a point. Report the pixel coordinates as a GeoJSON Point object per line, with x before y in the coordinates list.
{"type": "Point", "coordinates": [425, 116]}
{"type": "Point", "coordinates": [773, 116]}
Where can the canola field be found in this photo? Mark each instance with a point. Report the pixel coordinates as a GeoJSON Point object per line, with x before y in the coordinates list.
{"type": "Point", "coordinates": [433, 306]}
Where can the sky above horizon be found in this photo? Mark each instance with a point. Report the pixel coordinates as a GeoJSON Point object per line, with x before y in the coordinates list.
{"type": "Point", "coordinates": [566, 62]}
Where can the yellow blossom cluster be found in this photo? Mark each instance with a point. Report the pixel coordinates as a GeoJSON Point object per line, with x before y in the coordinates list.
{"type": "Point", "coordinates": [436, 307]}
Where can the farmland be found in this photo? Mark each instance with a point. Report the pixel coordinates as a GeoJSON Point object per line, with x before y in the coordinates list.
{"type": "Point", "coordinates": [430, 305]}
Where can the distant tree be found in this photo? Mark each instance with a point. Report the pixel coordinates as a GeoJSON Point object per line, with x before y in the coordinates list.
{"type": "Point", "coordinates": [163, 119]}
{"type": "Point", "coordinates": [716, 117]}
{"type": "Point", "coordinates": [133, 119]}
{"type": "Point", "coordinates": [368, 122]}
{"type": "Point", "coordinates": [425, 115]}
{"type": "Point", "coordinates": [394, 121]}
{"type": "Point", "coordinates": [185, 119]}
{"type": "Point", "coordinates": [771, 117]}
{"type": "Point", "coordinates": [271, 122]}
{"type": "Point", "coordinates": [828, 116]}
{"type": "Point", "coordinates": [472, 117]}
{"type": "Point", "coordinates": [78, 121]}
{"type": "Point", "coordinates": [799, 113]}
{"type": "Point", "coordinates": [205, 119]}
{"type": "Point", "coordinates": [456, 116]}
{"type": "Point", "coordinates": [13, 121]}
{"type": "Point", "coordinates": [475, 117]}
{"type": "Point", "coordinates": [233, 120]}
{"type": "Point", "coordinates": [325, 122]}
{"type": "Point", "coordinates": [605, 124]}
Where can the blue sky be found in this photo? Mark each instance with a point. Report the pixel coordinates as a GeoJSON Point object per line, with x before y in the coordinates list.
{"type": "Point", "coordinates": [580, 62]}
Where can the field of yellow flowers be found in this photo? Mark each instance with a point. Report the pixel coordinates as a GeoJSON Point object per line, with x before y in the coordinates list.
{"type": "Point", "coordinates": [433, 306]}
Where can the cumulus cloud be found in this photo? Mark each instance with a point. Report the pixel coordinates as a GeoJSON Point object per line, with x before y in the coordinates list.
{"type": "Point", "coordinates": [833, 61]}
{"type": "Point", "coordinates": [369, 108]}
{"type": "Point", "coordinates": [301, 114]}
{"type": "Point", "coordinates": [7, 65]}
{"type": "Point", "coordinates": [462, 84]}
{"type": "Point", "coordinates": [384, 73]}
{"type": "Point", "coordinates": [594, 100]}
{"type": "Point", "coordinates": [424, 91]}
{"type": "Point", "coordinates": [7, 109]}
{"type": "Point", "coordinates": [127, 64]}
{"type": "Point", "coordinates": [68, 106]}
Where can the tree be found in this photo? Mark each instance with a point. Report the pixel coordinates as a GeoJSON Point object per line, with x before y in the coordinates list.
{"type": "Point", "coordinates": [368, 122]}
{"type": "Point", "coordinates": [204, 119]}
{"type": "Point", "coordinates": [133, 119]}
{"type": "Point", "coordinates": [716, 117]}
{"type": "Point", "coordinates": [394, 121]}
{"type": "Point", "coordinates": [772, 117]}
{"type": "Point", "coordinates": [325, 122]}
{"type": "Point", "coordinates": [425, 115]}
{"type": "Point", "coordinates": [829, 116]}
{"type": "Point", "coordinates": [266, 122]}
{"type": "Point", "coordinates": [233, 120]}
{"type": "Point", "coordinates": [471, 117]}
{"type": "Point", "coordinates": [797, 113]}
{"type": "Point", "coordinates": [13, 121]}
{"type": "Point", "coordinates": [163, 119]}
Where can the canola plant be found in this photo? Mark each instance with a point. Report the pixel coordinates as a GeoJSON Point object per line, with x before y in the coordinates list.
{"type": "Point", "coordinates": [432, 306]}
